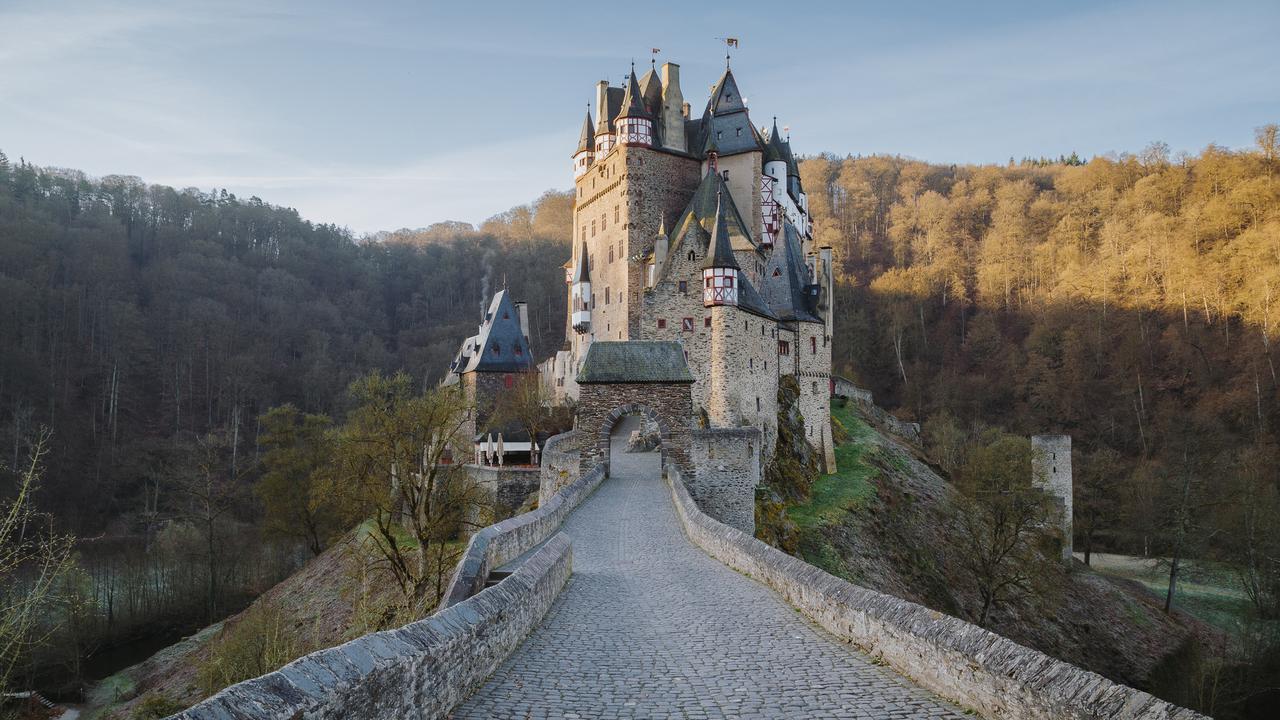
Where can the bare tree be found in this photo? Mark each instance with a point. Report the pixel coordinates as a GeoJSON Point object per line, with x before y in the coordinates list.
{"type": "Point", "coordinates": [33, 556]}
{"type": "Point", "coordinates": [393, 467]}
{"type": "Point", "coordinates": [1003, 513]}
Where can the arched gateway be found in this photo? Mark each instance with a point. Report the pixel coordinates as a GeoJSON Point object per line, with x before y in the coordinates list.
{"type": "Point", "coordinates": [649, 379]}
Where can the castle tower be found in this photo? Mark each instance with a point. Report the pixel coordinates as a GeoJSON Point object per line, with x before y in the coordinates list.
{"type": "Point", "coordinates": [634, 124]}
{"type": "Point", "coordinates": [583, 156]}
{"type": "Point", "coordinates": [720, 297]}
{"type": "Point", "coordinates": [580, 293]}
{"type": "Point", "coordinates": [1051, 465]}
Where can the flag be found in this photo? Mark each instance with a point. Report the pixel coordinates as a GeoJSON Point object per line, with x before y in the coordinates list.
{"type": "Point", "coordinates": [655, 51]}
{"type": "Point", "coordinates": [731, 42]}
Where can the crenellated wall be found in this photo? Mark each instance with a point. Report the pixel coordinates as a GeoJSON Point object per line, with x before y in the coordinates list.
{"type": "Point", "coordinates": [974, 667]}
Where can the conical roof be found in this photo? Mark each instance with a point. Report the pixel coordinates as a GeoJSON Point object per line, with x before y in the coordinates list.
{"type": "Point", "coordinates": [582, 273]}
{"type": "Point", "coordinates": [720, 248]}
{"type": "Point", "coordinates": [651, 91]}
{"type": "Point", "coordinates": [587, 139]}
{"type": "Point", "coordinates": [775, 150]}
{"type": "Point", "coordinates": [633, 100]}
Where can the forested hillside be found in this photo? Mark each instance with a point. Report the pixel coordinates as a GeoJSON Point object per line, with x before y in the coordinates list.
{"type": "Point", "coordinates": [1129, 301]}
{"type": "Point", "coordinates": [137, 318]}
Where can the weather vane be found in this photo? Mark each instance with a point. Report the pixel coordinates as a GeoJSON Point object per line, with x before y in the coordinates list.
{"type": "Point", "coordinates": [729, 42]}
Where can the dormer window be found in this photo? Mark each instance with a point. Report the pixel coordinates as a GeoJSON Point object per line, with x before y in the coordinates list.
{"type": "Point", "coordinates": [495, 348]}
{"type": "Point", "coordinates": [738, 132]}
{"type": "Point", "coordinates": [519, 350]}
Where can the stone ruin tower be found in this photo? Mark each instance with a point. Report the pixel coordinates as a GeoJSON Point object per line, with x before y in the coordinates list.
{"type": "Point", "coordinates": [695, 229]}
{"type": "Point", "coordinates": [1051, 458]}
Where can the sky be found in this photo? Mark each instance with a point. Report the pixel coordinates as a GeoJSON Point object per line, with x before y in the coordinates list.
{"type": "Point", "coordinates": [382, 115]}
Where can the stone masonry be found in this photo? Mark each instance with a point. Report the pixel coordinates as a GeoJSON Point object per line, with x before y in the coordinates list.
{"type": "Point", "coordinates": [650, 627]}
{"type": "Point", "coordinates": [1052, 459]}
{"type": "Point", "coordinates": [728, 472]}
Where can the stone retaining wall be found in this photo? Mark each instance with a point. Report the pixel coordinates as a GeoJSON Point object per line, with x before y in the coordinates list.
{"type": "Point", "coordinates": [560, 457]}
{"type": "Point", "coordinates": [498, 544]}
{"type": "Point", "coordinates": [948, 656]}
{"type": "Point", "coordinates": [420, 670]}
{"type": "Point", "coordinates": [505, 489]}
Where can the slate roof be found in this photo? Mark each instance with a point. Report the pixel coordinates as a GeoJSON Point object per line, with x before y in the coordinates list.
{"type": "Point", "coordinates": [582, 270]}
{"type": "Point", "coordinates": [749, 299]}
{"type": "Point", "coordinates": [720, 249]}
{"type": "Point", "coordinates": [651, 90]}
{"type": "Point", "coordinates": [785, 277]}
{"type": "Point", "coordinates": [634, 361]}
{"type": "Point", "coordinates": [776, 148]}
{"type": "Point", "coordinates": [500, 346]}
{"type": "Point", "coordinates": [633, 99]}
{"type": "Point", "coordinates": [702, 209]}
{"type": "Point", "coordinates": [725, 122]}
{"type": "Point", "coordinates": [606, 115]}
{"type": "Point", "coordinates": [586, 140]}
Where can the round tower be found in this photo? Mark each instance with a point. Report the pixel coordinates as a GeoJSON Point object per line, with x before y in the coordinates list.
{"type": "Point", "coordinates": [634, 124]}
{"type": "Point", "coordinates": [720, 276]}
{"type": "Point", "coordinates": [580, 293]}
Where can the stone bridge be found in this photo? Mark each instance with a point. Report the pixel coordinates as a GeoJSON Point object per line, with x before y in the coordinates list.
{"type": "Point", "coordinates": [651, 626]}
{"type": "Point", "coordinates": [668, 613]}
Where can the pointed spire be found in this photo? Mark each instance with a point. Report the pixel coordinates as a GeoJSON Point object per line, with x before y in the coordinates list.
{"type": "Point", "coordinates": [775, 149]}
{"type": "Point", "coordinates": [581, 271]}
{"type": "Point", "coordinates": [633, 99]}
{"type": "Point", "coordinates": [662, 224]}
{"type": "Point", "coordinates": [587, 140]}
{"type": "Point", "coordinates": [720, 249]}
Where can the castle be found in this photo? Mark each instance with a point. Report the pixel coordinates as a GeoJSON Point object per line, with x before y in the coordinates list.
{"type": "Point", "coordinates": [696, 230]}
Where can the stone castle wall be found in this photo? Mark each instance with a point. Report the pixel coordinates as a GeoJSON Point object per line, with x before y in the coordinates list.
{"type": "Point", "coordinates": [728, 463]}
{"type": "Point", "coordinates": [504, 490]}
{"type": "Point", "coordinates": [954, 659]}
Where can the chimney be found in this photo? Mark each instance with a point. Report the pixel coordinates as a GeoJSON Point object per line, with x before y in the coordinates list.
{"type": "Point", "coordinates": [602, 106]}
{"type": "Point", "coordinates": [673, 108]}
{"type": "Point", "coordinates": [522, 310]}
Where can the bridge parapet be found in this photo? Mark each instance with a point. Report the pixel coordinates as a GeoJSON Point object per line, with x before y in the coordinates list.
{"type": "Point", "coordinates": [500, 543]}
{"type": "Point", "coordinates": [420, 670]}
{"type": "Point", "coordinates": [948, 656]}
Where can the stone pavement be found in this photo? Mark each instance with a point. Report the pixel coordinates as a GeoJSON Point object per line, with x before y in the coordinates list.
{"type": "Point", "coordinates": [649, 626]}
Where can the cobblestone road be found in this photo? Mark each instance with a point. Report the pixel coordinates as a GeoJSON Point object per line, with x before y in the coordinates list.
{"type": "Point", "coordinates": [649, 626]}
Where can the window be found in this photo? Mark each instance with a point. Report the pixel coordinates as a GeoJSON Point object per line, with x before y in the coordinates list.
{"type": "Point", "coordinates": [746, 325]}
{"type": "Point", "coordinates": [725, 175]}
{"type": "Point", "coordinates": [610, 253]}
{"type": "Point", "coordinates": [615, 214]}
{"type": "Point", "coordinates": [813, 349]}
{"type": "Point", "coordinates": [719, 134]}
{"type": "Point", "coordinates": [751, 363]}
{"type": "Point", "coordinates": [604, 221]}
{"type": "Point", "coordinates": [662, 323]}
{"type": "Point", "coordinates": [507, 380]}
{"type": "Point", "coordinates": [606, 296]}
{"type": "Point", "coordinates": [684, 287]}
{"type": "Point", "coordinates": [757, 404]}
{"type": "Point", "coordinates": [692, 257]}
{"type": "Point", "coordinates": [784, 347]}
{"type": "Point", "coordinates": [519, 350]}
{"type": "Point", "coordinates": [495, 348]}
{"type": "Point", "coordinates": [706, 321]}
{"type": "Point", "coordinates": [737, 132]}
{"type": "Point", "coordinates": [815, 387]}
{"type": "Point", "coordinates": [593, 228]}
{"type": "Point", "coordinates": [686, 324]}
{"type": "Point", "coordinates": [584, 232]}
{"type": "Point", "coordinates": [761, 329]}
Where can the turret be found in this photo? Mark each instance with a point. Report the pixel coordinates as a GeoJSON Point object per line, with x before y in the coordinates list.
{"type": "Point", "coordinates": [661, 245]}
{"type": "Point", "coordinates": [604, 128]}
{"type": "Point", "coordinates": [720, 270]}
{"type": "Point", "coordinates": [580, 293]}
{"type": "Point", "coordinates": [674, 109]}
{"type": "Point", "coordinates": [634, 124]}
{"type": "Point", "coordinates": [584, 155]}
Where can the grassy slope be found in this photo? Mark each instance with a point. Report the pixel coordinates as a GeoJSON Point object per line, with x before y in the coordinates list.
{"type": "Point", "coordinates": [1205, 589]}
{"type": "Point", "coordinates": [883, 521]}
{"type": "Point", "coordinates": [322, 605]}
